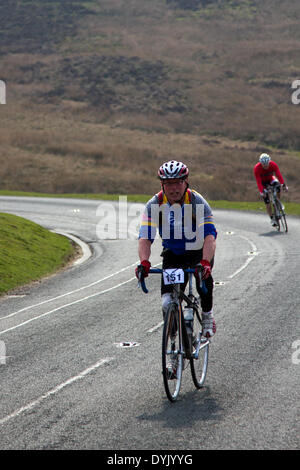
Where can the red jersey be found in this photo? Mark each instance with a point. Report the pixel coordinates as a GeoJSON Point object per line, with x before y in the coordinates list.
{"type": "Point", "coordinates": [264, 176]}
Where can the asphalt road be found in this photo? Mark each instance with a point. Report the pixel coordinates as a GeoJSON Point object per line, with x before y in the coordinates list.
{"type": "Point", "coordinates": [67, 382]}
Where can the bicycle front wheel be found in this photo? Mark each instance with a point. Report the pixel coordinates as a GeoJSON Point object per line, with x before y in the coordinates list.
{"type": "Point", "coordinates": [199, 361]}
{"type": "Point", "coordinates": [276, 215]}
{"type": "Point", "coordinates": [172, 355]}
{"type": "Point", "coordinates": [282, 217]}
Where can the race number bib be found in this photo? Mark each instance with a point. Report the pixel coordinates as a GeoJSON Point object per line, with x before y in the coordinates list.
{"type": "Point", "coordinates": [173, 276]}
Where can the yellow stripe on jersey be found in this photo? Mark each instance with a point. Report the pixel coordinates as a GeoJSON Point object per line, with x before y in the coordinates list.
{"type": "Point", "coordinates": [149, 224]}
{"type": "Point", "coordinates": [204, 223]}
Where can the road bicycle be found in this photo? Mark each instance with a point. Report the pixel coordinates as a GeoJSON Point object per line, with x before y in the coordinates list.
{"type": "Point", "coordinates": [182, 339]}
{"type": "Point", "coordinates": [278, 211]}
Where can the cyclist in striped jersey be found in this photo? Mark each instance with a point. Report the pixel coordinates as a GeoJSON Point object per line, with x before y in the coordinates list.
{"type": "Point", "coordinates": [185, 223]}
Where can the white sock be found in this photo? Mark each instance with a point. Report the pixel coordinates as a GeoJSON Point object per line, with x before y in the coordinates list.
{"type": "Point", "coordinates": [207, 313]}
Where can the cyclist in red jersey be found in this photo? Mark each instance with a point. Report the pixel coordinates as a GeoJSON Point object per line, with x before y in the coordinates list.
{"type": "Point", "coordinates": [266, 173]}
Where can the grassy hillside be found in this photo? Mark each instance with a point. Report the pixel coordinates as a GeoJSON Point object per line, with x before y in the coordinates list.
{"type": "Point", "coordinates": [28, 252]}
{"type": "Point", "coordinates": [100, 93]}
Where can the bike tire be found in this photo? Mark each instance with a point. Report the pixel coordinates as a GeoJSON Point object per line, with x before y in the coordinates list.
{"type": "Point", "coordinates": [172, 352]}
{"type": "Point", "coordinates": [275, 215]}
{"type": "Point", "coordinates": [199, 361]}
{"type": "Point", "coordinates": [282, 216]}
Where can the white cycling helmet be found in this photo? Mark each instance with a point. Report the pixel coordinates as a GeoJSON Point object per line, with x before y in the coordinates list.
{"type": "Point", "coordinates": [264, 159]}
{"type": "Point", "coordinates": [173, 169]}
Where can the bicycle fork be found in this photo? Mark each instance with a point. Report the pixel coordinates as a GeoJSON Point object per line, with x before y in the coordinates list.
{"type": "Point", "coordinates": [201, 343]}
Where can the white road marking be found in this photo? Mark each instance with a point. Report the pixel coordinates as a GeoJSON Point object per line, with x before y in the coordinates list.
{"type": "Point", "coordinates": [241, 268]}
{"type": "Point", "coordinates": [66, 305]}
{"type": "Point", "coordinates": [159, 325]}
{"type": "Point", "coordinates": [55, 390]}
{"type": "Point", "coordinates": [86, 252]}
{"type": "Point", "coordinates": [70, 303]}
{"type": "Point", "coordinates": [70, 292]}
{"type": "Point", "coordinates": [253, 246]}
{"type": "Point", "coordinates": [254, 251]}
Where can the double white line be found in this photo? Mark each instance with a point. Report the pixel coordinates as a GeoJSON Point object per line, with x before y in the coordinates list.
{"type": "Point", "coordinates": [84, 373]}
{"type": "Point", "coordinates": [70, 303]}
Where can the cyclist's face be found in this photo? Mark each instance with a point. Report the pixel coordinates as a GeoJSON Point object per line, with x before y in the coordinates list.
{"type": "Point", "coordinates": [265, 165]}
{"type": "Point", "coordinates": [174, 189]}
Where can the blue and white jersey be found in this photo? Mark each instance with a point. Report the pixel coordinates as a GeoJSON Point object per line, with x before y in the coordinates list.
{"type": "Point", "coordinates": [181, 227]}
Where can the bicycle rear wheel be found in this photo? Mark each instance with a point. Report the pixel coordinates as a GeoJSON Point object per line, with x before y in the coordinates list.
{"type": "Point", "coordinates": [172, 357]}
{"type": "Point", "coordinates": [199, 361]}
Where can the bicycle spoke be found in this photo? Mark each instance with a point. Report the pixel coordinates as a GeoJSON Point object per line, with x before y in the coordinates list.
{"type": "Point", "coordinates": [172, 358]}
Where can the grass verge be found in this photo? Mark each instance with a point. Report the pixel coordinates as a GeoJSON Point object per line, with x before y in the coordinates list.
{"type": "Point", "coordinates": [292, 208]}
{"type": "Point", "coordinates": [29, 252]}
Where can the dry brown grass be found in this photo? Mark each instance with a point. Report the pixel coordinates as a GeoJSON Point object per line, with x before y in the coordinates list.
{"type": "Point", "coordinates": [61, 154]}
{"type": "Point", "coordinates": [222, 98]}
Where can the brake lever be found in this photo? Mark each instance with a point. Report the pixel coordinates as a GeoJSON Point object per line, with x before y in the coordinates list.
{"type": "Point", "coordinates": [142, 284]}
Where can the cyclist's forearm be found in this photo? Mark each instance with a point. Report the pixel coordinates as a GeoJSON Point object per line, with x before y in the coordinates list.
{"type": "Point", "coordinates": [209, 247]}
{"type": "Point", "coordinates": [144, 249]}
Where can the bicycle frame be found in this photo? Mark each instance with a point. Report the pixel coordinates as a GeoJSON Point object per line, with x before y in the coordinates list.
{"type": "Point", "coordinates": [277, 208]}
{"type": "Point", "coordinates": [191, 302]}
{"type": "Point", "coordinates": [272, 191]}
{"type": "Point", "coordinates": [189, 344]}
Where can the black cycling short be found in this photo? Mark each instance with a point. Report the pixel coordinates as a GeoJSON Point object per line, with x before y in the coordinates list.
{"type": "Point", "coordinates": [189, 259]}
{"type": "Point", "coordinates": [272, 183]}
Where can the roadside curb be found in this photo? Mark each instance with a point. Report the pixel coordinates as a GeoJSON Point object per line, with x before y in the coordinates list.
{"type": "Point", "coordinates": [84, 246]}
